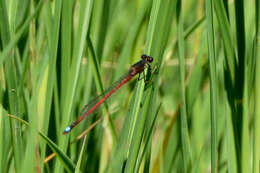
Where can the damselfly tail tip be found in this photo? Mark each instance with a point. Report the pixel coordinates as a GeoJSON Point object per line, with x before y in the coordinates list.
{"type": "Point", "coordinates": [67, 130]}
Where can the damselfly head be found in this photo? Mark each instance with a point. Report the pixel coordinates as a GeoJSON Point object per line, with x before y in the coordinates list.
{"type": "Point", "coordinates": [147, 58]}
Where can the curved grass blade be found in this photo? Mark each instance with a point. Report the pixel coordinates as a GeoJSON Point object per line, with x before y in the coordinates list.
{"type": "Point", "coordinates": [65, 160]}
{"type": "Point", "coordinates": [68, 164]}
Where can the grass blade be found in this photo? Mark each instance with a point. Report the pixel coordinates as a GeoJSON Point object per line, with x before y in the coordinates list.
{"type": "Point", "coordinates": [213, 82]}
{"type": "Point", "coordinates": [186, 151]}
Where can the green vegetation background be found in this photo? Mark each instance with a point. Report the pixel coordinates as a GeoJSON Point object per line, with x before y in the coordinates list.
{"type": "Point", "coordinates": [200, 111]}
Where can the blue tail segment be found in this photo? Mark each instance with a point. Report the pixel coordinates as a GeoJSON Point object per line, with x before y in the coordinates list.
{"type": "Point", "coordinates": [67, 130]}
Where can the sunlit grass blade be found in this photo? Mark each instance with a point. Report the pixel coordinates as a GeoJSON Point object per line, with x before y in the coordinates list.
{"type": "Point", "coordinates": [213, 82]}
{"type": "Point", "coordinates": [256, 129]}
{"type": "Point", "coordinates": [4, 135]}
{"type": "Point", "coordinates": [186, 150]}
{"type": "Point", "coordinates": [147, 142]}
{"type": "Point", "coordinates": [136, 136]}
{"type": "Point", "coordinates": [66, 46]}
{"type": "Point", "coordinates": [68, 164]}
{"type": "Point", "coordinates": [118, 163]}
{"type": "Point", "coordinates": [227, 37]}
{"type": "Point", "coordinates": [80, 156]}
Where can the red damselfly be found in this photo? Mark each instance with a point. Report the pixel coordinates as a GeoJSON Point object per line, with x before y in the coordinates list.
{"type": "Point", "coordinates": [135, 69]}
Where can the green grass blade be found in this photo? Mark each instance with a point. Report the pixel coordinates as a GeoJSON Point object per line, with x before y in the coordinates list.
{"type": "Point", "coordinates": [227, 38]}
{"type": "Point", "coordinates": [4, 136]}
{"type": "Point", "coordinates": [80, 156]}
{"type": "Point", "coordinates": [256, 129]}
{"type": "Point", "coordinates": [186, 151]}
{"type": "Point", "coordinates": [213, 83]}
{"type": "Point", "coordinates": [68, 164]}
{"type": "Point", "coordinates": [66, 39]}
{"type": "Point", "coordinates": [230, 143]}
{"type": "Point", "coordinates": [245, 132]}
{"type": "Point", "coordinates": [147, 142]}
{"type": "Point", "coordinates": [136, 132]}
{"type": "Point", "coordinates": [117, 163]}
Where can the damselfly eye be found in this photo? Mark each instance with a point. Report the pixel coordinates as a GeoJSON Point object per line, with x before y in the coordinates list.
{"type": "Point", "coordinates": [144, 57]}
{"type": "Point", "coordinates": [149, 59]}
